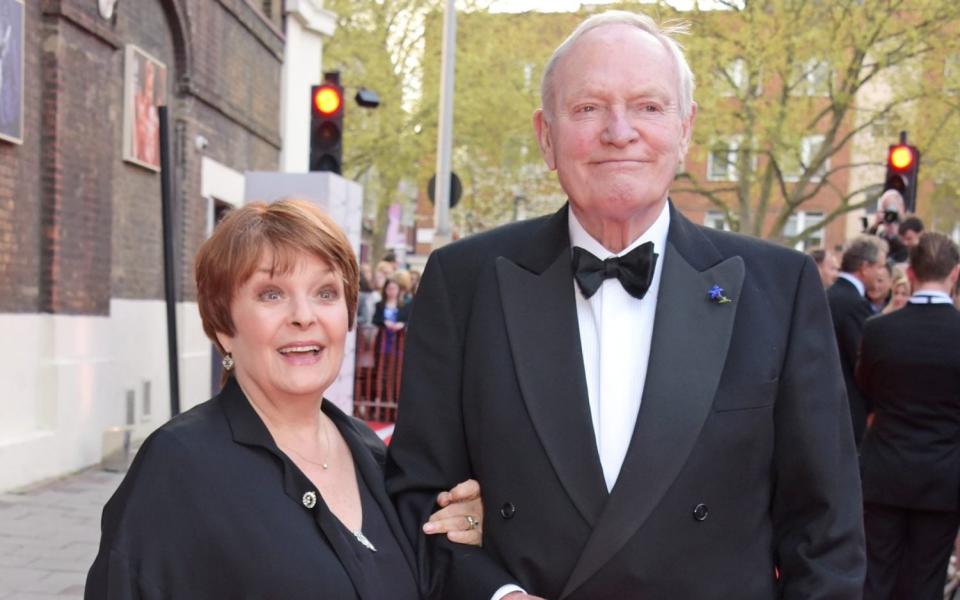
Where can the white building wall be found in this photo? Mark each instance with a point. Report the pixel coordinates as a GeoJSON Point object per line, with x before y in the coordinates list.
{"type": "Point", "coordinates": [66, 379]}
{"type": "Point", "coordinates": [69, 378]}
{"type": "Point", "coordinates": [306, 24]}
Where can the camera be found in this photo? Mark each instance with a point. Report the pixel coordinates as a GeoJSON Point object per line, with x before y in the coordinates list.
{"type": "Point", "coordinates": [891, 216]}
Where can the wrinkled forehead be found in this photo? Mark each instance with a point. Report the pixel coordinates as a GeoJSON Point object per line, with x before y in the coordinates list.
{"type": "Point", "coordinates": [619, 44]}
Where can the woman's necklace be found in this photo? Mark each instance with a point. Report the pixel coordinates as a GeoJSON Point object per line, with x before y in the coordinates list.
{"type": "Point", "coordinates": [326, 450]}
{"type": "Point", "coordinates": [363, 540]}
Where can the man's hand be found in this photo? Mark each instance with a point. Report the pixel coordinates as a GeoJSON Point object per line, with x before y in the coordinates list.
{"type": "Point", "coordinates": [460, 515]}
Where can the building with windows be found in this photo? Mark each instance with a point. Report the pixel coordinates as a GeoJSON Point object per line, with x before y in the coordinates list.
{"type": "Point", "coordinates": [804, 176]}
{"type": "Point", "coordinates": [81, 242]}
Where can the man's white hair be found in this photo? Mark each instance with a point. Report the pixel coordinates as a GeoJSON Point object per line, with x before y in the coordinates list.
{"type": "Point", "coordinates": [619, 17]}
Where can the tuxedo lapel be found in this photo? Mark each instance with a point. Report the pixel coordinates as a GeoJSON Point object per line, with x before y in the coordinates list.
{"type": "Point", "coordinates": [537, 297]}
{"type": "Point", "coordinates": [689, 329]}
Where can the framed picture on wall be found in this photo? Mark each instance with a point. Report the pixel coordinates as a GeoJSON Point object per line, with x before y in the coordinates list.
{"type": "Point", "coordinates": [144, 89]}
{"type": "Point", "coordinates": [11, 70]}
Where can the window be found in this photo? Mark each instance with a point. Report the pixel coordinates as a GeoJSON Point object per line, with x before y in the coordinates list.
{"type": "Point", "coordinates": [734, 78]}
{"type": "Point", "coordinates": [800, 221]}
{"type": "Point", "coordinates": [795, 164]}
{"type": "Point", "coordinates": [722, 160]}
{"type": "Point", "coordinates": [809, 148]}
{"type": "Point", "coordinates": [814, 79]}
{"type": "Point", "coordinates": [716, 220]}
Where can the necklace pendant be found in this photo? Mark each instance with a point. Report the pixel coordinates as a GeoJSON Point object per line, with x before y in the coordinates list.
{"type": "Point", "coordinates": [325, 466]}
{"type": "Point", "coordinates": [363, 540]}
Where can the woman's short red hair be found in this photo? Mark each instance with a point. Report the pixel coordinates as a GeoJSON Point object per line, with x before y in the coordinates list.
{"type": "Point", "coordinates": [287, 229]}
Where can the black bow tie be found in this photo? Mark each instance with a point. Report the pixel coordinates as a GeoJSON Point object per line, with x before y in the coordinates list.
{"type": "Point", "coordinates": [634, 270]}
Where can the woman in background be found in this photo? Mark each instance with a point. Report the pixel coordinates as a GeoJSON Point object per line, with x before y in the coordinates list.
{"type": "Point", "coordinates": [899, 292]}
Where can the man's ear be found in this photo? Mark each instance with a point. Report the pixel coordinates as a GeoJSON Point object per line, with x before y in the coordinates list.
{"type": "Point", "coordinates": [542, 127]}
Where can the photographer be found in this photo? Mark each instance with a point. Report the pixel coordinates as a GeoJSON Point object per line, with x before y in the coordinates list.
{"type": "Point", "coordinates": [890, 210]}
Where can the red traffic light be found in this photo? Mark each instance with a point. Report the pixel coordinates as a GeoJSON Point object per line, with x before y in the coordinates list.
{"type": "Point", "coordinates": [327, 99]}
{"type": "Point", "coordinates": [901, 157]}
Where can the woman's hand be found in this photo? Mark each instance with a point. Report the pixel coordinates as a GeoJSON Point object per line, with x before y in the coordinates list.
{"type": "Point", "coordinates": [460, 515]}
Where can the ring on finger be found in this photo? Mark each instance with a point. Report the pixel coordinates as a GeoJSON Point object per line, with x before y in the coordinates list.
{"type": "Point", "coordinates": [472, 522]}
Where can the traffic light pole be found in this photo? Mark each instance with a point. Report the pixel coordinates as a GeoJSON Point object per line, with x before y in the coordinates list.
{"type": "Point", "coordinates": [442, 232]}
{"type": "Point", "coordinates": [169, 275]}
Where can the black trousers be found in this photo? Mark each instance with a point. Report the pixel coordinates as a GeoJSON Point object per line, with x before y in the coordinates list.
{"type": "Point", "coordinates": [907, 552]}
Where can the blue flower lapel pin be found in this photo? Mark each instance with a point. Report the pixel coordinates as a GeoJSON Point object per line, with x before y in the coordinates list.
{"type": "Point", "coordinates": [716, 295]}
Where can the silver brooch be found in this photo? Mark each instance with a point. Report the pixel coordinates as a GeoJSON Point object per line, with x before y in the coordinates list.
{"type": "Point", "coordinates": [310, 499]}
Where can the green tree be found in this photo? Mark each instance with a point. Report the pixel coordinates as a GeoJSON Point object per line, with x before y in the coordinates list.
{"type": "Point", "coordinates": [378, 45]}
{"type": "Point", "coordinates": [500, 59]}
{"type": "Point", "coordinates": [773, 73]}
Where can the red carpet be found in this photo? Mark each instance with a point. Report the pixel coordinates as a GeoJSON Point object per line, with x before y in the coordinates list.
{"type": "Point", "coordinates": [384, 430]}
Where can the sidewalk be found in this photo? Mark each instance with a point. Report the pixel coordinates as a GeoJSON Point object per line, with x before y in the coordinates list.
{"type": "Point", "coordinates": [49, 535]}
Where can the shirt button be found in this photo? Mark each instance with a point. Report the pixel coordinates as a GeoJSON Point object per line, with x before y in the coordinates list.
{"type": "Point", "coordinates": [507, 510]}
{"type": "Point", "coordinates": [700, 512]}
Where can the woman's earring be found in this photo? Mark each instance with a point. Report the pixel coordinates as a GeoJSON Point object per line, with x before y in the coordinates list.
{"type": "Point", "coordinates": [227, 361]}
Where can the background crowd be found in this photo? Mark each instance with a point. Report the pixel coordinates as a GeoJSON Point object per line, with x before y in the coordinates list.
{"type": "Point", "coordinates": [386, 293]}
{"type": "Point", "coordinates": [893, 297]}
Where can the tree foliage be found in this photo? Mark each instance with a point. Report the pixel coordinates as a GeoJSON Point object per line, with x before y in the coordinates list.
{"type": "Point", "coordinates": [378, 45]}
{"type": "Point", "coordinates": [854, 72]}
{"type": "Point", "coordinates": [770, 74]}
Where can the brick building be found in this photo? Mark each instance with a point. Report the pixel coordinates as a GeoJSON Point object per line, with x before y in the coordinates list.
{"type": "Point", "coordinates": [81, 271]}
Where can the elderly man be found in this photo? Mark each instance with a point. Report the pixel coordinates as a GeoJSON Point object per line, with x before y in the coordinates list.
{"type": "Point", "coordinates": [863, 262]}
{"type": "Point", "coordinates": [653, 409]}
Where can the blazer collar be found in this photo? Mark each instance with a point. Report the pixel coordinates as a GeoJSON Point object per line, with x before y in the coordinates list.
{"type": "Point", "coordinates": [546, 243]}
{"type": "Point", "coordinates": [368, 456]}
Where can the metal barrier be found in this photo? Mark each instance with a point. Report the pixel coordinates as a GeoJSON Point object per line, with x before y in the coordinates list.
{"type": "Point", "coordinates": [376, 387]}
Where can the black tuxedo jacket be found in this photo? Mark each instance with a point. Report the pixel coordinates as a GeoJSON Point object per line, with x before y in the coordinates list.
{"type": "Point", "coordinates": [741, 461]}
{"type": "Point", "coordinates": [910, 367]}
{"type": "Point", "coordinates": [849, 311]}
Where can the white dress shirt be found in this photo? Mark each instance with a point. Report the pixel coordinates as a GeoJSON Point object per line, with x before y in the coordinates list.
{"type": "Point", "coordinates": [616, 330]}
{"type": "Point", "coordinates": [930, 297]}
{"type": "Point", "coordinates": [615, 334]}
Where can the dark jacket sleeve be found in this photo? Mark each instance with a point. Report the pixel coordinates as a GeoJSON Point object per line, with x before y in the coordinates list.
{"type": "Point", "coordinates": [112, 577]}
{"type": "Point", "coordinates": [428, 453]}
{"type": "Point", "coordinates": [144, 498]}
{"type": "Point", "coordinates": [817, 506]}
{"type": "Point", "coordinates": [862, 372]}
{"type": "Point", "coordinates": [378, 314]}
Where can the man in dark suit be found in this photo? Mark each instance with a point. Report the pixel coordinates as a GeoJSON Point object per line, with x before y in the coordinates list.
{"type": "Point", "coordinates": [910, 367]}
{"type": "Point", "coordinates": [860, 266]}
{"type": "Point", "coordinates": [653, 409]}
